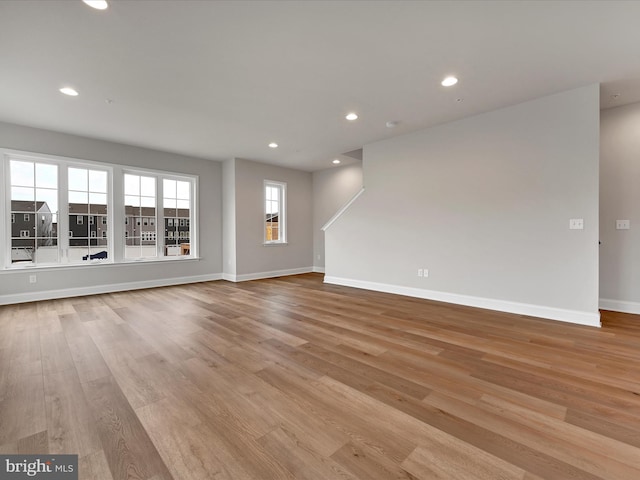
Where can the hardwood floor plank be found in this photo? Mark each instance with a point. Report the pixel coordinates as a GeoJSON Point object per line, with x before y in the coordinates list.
{"type": "Point", "coordinates": [127, 447]}
{"type": "Point", "coordinates": [70, 425]}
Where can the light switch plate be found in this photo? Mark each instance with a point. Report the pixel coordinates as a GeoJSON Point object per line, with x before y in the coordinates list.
{"type": "Point", "coordinates": [623, 224]}
{"type": "Point", "coordinates": [576, 224]}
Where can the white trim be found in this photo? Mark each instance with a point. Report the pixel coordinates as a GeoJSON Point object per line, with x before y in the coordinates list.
{"type": "Point", "coordinates": [318, 269]}
{"type": "Point", "coordinates": [232, 277]}
{"type": "Point", "coordinates": [98, 289]}
{"type": "Point", "coordinates": [341, 211]}
{"type": "Point", "coordinates": [620, 306]}
{"type": "Point", "coordinates": [551, 313]}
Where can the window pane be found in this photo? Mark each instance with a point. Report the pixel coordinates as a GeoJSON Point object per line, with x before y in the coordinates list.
{"type": "Point", "coordinates": [183, 204]}
{"type": "Point", "coordinates": [47, 199]}
{"type": "Point", "coordinates": [46, 175]}
{"type": "Point", "coordinates": [78, 197]}
{"type": "Point", "coordinates": [183, 190]}
{"type": "Point", "coordinates": [22, 193]}
{"type": "Point", "coordinates": [22, 250]}
{"type": "Point", "coordinates": [148, 186]}
{"type": "Point", "coordinates": [147, 201]}
{"type": "Point", "coordinates": [130, 200]}
{"type": "Point", "coordinates": [169, 188]}
{"type": "Point", "coordinates": [98, 199]}
{"type": "Point", "coordinates": [47, 250]}
{"type": "Point", "coordinates": [22, 173]}
{"type": "Point", "coordinates": [98, 181]}
{"type": "Point", "coordinates": [131, 184]}
{"type": "Point", "coordinates": [170, 203]}
{"type": "Point", "coordinates": [78, 179]}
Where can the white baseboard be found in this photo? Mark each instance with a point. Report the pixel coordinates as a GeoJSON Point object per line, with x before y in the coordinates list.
{"type": "Point", "coordinates": [551, 313]}
{"type": "Point", "coordinates": [231, 277]}
{"type": "Point", "coordinates": [620, 306]}
{"type": "Point", "coordinates": [318, 269]}
{"type": "Point", "coordinates": [97, 289]}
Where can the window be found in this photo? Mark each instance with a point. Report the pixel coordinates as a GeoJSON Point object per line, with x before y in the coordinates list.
{"type": "Point", "coordinates": [57, 211]}
{"type": "Point", "coordinates": [177, 195]}
{"type": "Point", "coordinates": [33, 187]}
{"type": "Point", "coordinates": [87, 198]}
{"type": "Point", "coordinates": [139, 202]}
{"type": "Point", "coordinates": [274, 212]}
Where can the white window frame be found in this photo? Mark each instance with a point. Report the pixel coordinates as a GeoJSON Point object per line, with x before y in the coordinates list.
{"type": "Point", "coordinates": [282, 212]}
{"type": "Point", "coordinates": [115, 209]}
{"type": "Point", "coordinates": [159, 219]}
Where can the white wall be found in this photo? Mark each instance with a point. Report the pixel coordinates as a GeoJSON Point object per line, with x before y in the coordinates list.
{"type": "Point", "coordinates": [620, 200]}
{"type": "Point", "coordinates": [484, 203]}
{"type": "Point", "coordinates": [253, 258]}
{"type": "Point", "coordinates": [55, 282]}
{"type": "Point", "coordinates": [332, 189]}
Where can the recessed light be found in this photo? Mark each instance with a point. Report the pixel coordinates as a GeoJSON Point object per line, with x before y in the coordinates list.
{"type": "Point", "coordinates": [351, 116]}
{"type": "Point", "coordinates": [69, 91]}
{"type": "Point", "coordinates": [336, 161]}
{"type": "Point", "coordinates": [97, 4]}
{"type": "Point", "coordinates": [449, 81]}
{"type": "Point", "coordinates": [273, 145]}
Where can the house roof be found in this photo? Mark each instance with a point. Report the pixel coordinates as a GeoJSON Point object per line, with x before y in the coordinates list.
{"type": "Point", "coordinates": [29, 206]}
{"type": "Point", "coordinates": [223, 79]}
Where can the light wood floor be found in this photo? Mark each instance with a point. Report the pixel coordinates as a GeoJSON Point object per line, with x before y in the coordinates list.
{"type": "Point", "coordinates": [292, 379]}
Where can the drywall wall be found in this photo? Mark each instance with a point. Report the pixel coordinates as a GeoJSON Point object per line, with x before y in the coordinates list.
{"type": "Point", "coordinates": [51, 282]}
{"type": "Point", "coordinates": [620, 200]}
{"type": "Point", "coordinates": [332, 189]}
{"type": "Point", "coordinates": [484, 204]}
{"type": "Point", "coordinates": [253, 258]}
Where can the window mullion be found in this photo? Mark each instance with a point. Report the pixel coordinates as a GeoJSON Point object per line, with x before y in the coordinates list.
{"type": "Point", "coordinates": [63, 213]}
{"type": "Point", "coordinates": [160, 217]}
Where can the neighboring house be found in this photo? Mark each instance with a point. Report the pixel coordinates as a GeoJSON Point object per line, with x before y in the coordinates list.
{"type": "Point", "coordinates": [140, 226]}
{"type": "Point", "coordinates": [31, 226]}
{"type": "Point", "coordinates": [87, 222]}
{"type": "Point", "coordinates": [272, 232]}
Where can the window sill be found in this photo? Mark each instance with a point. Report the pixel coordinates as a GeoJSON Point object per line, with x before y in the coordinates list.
{"type": "Point", "coordinates": [74, 266]}
{"type": "Point", "coordinates": [275, 244]}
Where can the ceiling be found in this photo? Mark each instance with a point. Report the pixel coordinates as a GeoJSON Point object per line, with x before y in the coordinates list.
{"type": "Point", "coordinates": [217, 80]}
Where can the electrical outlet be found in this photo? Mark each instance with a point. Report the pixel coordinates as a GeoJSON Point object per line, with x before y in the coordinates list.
{"type": "Point", "coordinates": [419, 272]}
{"type": "Point", "coordinates": [576, 224]}
{"type": "Point", "coordinates": [33, 278]}
{"type": "Point", "coordinates": [425, 273]}
{"type": "Point", "coordinates": [623, 224]}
